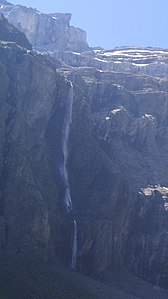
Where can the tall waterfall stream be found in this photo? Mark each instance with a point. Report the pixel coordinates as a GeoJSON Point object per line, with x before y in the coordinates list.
{"type": "Point", "coordinates": [74, 247]}
{"type": "Point", "coordinates": [67, 195]}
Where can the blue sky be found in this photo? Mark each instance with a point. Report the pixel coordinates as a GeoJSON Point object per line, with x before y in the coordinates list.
{"type": "Point", "coordinates": [112, 23]}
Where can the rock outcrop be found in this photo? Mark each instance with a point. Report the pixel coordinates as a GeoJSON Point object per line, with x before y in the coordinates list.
{"type": "Point", "coordinates": [46, 32]}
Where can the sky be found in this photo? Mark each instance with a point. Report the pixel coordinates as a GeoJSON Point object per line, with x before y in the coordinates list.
{"type": "Point", "coordinates": [113, 23]}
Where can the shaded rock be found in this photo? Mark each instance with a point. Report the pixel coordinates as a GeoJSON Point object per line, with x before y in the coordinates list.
{"type": "Point", "coordinates": [2, 233]}
{"type": "Point", "coordinates": [146, 250]}
{"type": "Point", "coordinates": [31, 151]}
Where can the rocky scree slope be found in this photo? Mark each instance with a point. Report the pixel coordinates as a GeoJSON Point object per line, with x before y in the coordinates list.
{"type": "Point", "coordinates": [117, 161]}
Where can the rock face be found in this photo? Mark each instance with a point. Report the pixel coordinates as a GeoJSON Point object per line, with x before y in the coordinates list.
{"type": "Point", "coordinates": [123, 209]}
{"type": "Point", "coordinates": [46, 32]}
{"type": "Point", "coordinates": [129, 114]}
{"type": "Point", "coordinates": [26, 105]}
{"type": "Point", "coordinates": [116, 163]}
{"type": "Point", "coordinates": [10, 33]}
{"type": "Point", "coordinates": [138, 61]}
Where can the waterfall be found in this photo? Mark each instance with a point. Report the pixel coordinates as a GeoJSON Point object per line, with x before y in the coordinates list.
{"type": "Point", "coordinates": [66, 127]}
{"type": "Point", "coordinates": [64, 172]}
{"type": "Point", "coordinates": [74, 246]}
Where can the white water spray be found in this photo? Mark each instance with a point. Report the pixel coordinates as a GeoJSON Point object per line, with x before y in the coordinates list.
{"type": "Point", "coordinates": [74, 246]}
{"type": "Point", "coordinates": [66, 128]}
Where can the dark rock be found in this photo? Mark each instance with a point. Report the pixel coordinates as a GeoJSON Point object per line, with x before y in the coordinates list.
{"type": "Point", "coordinates": [31, 153]}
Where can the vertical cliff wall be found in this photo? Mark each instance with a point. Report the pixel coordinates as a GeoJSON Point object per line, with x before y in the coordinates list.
{"type": "Point", "coordinates": [46, 32]}
{"type": "Point", "coordinates": [32, 187]}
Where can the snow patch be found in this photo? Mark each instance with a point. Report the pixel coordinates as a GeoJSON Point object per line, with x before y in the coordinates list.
{"type": "Point", "coordinates": [76, 53]}
{"type": "Point", "coordinates": [102, 60]}
{"type": "Point", "coordinates": [97, 51]}
{"type": "Point", "coordinates": [149, 116]}
{"type": "Point", "coordinates": [115, 111]}
{"type": "Point", "coordinates": [135, 54]}
{"type": "Point", "coordinates": [112, 53]}
{"type": "Point", "coordinates": [140, 64]}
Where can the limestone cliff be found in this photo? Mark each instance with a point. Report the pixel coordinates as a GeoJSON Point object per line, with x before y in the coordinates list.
{"type": "Point", "coordinates": [46, 32]}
